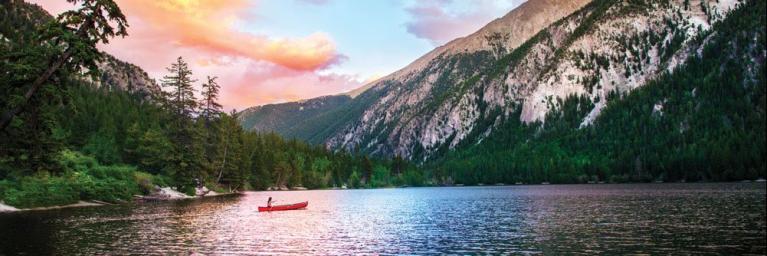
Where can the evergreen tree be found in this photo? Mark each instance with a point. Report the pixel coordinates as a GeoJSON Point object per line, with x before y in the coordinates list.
{"type": "Point", "coordinates": [180, 98]}
{"type": "Point", "coordinates": [230, 168]}
{"type": "Point", "coordinates": [188, 162]}
{"type": "Point", "coordinates": [213, 129]}
{"type": "Point", "coordinates": [210, 108]}
{"type": "Point", "coordinates": [155, 151]}
{"type": "Point", "coordinates": [367, 169]}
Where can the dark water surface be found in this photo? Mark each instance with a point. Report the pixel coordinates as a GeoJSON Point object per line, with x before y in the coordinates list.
{"type": "Point", "coordinates": [724, 218]}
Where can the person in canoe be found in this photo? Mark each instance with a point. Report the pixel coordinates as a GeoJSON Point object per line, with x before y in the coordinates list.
{"type": "Point", "coordinates": [269, 203]}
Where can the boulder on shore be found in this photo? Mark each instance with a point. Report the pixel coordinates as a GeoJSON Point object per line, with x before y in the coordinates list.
{"type": "Point", "coordinates": [204, 191]}
{"type": "Point", "coordinates": [163, 194]}
{"type": "Point", "coordinates": [170, 193]}
{"type": "Point", "coordinates": [7, 208]}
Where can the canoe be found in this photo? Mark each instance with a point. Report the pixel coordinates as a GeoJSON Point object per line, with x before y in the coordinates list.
{"type": "Point", "coordinates": [285, 207]}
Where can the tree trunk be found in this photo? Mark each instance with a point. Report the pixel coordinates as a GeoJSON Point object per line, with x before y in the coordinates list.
{"type": "Point", "coordinates": [223, 164]}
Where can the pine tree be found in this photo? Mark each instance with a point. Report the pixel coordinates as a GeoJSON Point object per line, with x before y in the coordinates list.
{"type": "Point", "coordinates": [180, 99]}
{"type": "Point", "coordinates": [231, 164]}
{"type": "Point", "coordinates": [398, 165]}
{"type": "Point", "coordinates": [367, 169]}
{"type": "Point", "coordinates": [188, 161]}
{"type": "Point", "coordinates": [210, 108]}
{"type": "Point", "coordinates": [210, 125]}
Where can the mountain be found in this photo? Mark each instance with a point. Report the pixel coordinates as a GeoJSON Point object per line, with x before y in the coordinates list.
{"type": "Point", "coordinates": [704, 121]}
{"type": "Point", "coordinates": [120, 75]}
{"type": "Point", "coordinates": [21, 19]}
{"type": "Point", "coordinates": [318, 127]}
{"type": "Point", "coordinates": [531, 59]}
{"type": "Point", "coordinates": [289, 118]}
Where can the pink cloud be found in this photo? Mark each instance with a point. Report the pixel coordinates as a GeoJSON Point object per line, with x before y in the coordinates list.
{"type": "Point", "coordinates": [252, 69]}
{"type": "Point", "coordinates": [434, 21]}
{"type": "Point", "coordinates": [263, 83]}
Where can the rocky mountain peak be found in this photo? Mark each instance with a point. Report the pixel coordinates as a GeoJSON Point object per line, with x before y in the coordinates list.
{"type": "Point", "coordinates": [502, 34]}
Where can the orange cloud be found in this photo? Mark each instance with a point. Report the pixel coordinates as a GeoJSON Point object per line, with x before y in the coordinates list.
{"type": "Point", "coordinates": [209, 25]}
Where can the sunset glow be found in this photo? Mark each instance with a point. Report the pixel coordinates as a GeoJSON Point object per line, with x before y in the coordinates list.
{"type": "Point", "coordinates": [383, 127]}
{"type": "Point", "coordinates": [278, 51]}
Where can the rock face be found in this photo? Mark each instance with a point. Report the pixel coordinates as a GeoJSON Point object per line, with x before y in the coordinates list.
{"type": "Point", "coordinates": [501, 35]}
{"type": "Point", "coordinates": [119, 75]}
{"type": "Point", "coordinates": [528, 61]}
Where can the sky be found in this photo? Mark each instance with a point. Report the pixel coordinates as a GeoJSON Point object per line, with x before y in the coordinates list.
{"type": "Point", "coordinates": [274, 51]}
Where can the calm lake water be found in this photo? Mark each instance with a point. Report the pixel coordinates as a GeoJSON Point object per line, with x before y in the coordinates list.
{"type": "Point", "coordinates": [727, 218]}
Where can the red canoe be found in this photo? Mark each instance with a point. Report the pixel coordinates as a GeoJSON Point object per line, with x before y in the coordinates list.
{"type": "Point", "coordinates": [283, 207]}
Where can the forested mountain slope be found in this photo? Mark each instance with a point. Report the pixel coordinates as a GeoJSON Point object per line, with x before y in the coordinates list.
{"type": "Point", "coordinates": [289, 119]}
{"type": "Point", "coordinates": [703, 121]}
{"type": "Point", "coordinates": [529, 61]}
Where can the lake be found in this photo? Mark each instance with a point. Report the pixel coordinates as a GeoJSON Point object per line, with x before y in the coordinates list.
{"type": "Point", "coordinates": [681, 218]}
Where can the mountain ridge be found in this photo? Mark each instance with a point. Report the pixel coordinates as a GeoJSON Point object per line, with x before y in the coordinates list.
{"type": "Point", "coordinates": [441, 101]}
{"type": "Point", "coordinates": [525, 9]}
{"type": "Point", "coordinates": [536, 14]}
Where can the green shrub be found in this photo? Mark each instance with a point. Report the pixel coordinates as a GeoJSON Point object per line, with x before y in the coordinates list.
{"type": "Point", "coordinates": [145, 182]}
{"type": "Point", "coordinates": [215, 187]}
{"type": "Point", "coordinates": [83, 178]}
{"type": "Point", "coordinates": [189, 190]}
{"type": "Point", "coordinates": [41, 190]}
{"type": "Point", "coordinates": [4, 185]}
{"type": "Point", "coordinates": [162, 181]}
{"type": "Point", "coordinates": [75, 161]}
{"type": "Point", "coordinates": [413, 177]}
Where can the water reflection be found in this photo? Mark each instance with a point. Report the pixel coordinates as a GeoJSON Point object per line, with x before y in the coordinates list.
{"type": "Point", "coordinates": [611, 219]}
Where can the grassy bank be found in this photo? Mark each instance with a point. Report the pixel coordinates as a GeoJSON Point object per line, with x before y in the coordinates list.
{"type": "Point", "coordinates": [82, 178]}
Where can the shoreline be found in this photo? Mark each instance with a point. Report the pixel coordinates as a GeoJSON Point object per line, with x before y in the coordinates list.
{"type": "Point", "coordinates": [81, 203]}
{"type": "Point", "coordinates": [4, 208]}
{"type": "Point", "coordinates": [513, 185]}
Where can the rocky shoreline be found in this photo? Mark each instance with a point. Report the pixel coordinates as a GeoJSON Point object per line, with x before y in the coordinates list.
{"type": "Point", "coordinates": [160, 194]}
{"type": "Point", "coordinates": [8, 208]}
